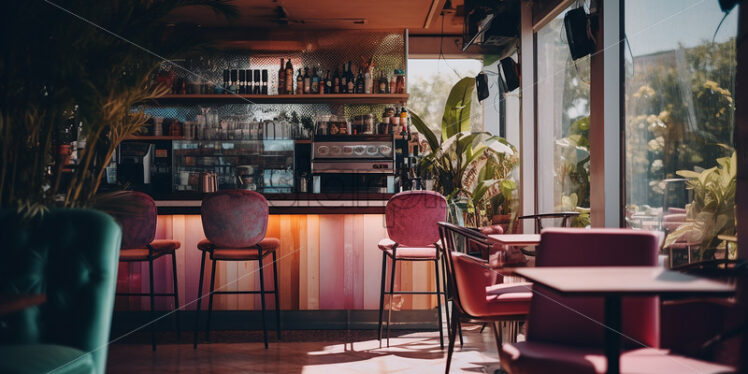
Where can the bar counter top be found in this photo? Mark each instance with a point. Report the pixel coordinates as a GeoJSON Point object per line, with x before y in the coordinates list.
{"type": "Point", "coordinates": [291, 203]}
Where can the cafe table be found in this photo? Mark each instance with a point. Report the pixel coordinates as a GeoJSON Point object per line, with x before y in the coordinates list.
{"type": "Point", "coordinates": [518, 240]}
{"type": "Point", "coordinates": [613, 283]}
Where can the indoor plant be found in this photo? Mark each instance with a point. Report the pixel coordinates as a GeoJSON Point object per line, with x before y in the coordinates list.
{"type": "Point", "coordinates": [712, 211]}
{"type": "Point", "coordinates": [472, 169]}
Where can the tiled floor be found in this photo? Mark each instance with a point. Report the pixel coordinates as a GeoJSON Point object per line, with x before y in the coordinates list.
{"type": "Point", "coordinates": [305, 352]}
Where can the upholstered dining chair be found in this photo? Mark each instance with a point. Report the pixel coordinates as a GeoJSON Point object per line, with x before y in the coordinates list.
{"type": "Point", "coordinates": [565, 334]}
{"type": "Point", "coordinates": [235, 223]}
{"type": "Point", "coordinates": [412, 219]}
{"type": "Point", "coordinates": [138, 223]}
{"type": "Point", "coordinates": [476, 295]}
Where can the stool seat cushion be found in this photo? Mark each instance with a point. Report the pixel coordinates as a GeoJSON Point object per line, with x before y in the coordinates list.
{"type": "Point", "coordinates": [532, 357]}
{"type": "Point", "coordinates": [44, 358]}
{"type": "Point", "coordinates": [268, 245]}
{"type": "Point", "coordinates": [408, 253]}
{"type": "Point", "coordinates": [160, 248]}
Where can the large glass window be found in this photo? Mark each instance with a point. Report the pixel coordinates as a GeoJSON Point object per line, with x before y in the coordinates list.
{"type": "Point", "coordinates": [429, 83]}
{"type": "Point", "coordinates": [562, 124]}
{"type": "Point", "coordinates": [679, 119]}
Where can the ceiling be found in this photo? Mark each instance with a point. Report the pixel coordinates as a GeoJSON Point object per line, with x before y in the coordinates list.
{"type": "Point", "coordinates": [418, 16]}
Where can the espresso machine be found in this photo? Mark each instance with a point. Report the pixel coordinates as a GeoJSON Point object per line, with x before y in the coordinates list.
{"type": "Point", "coordinates": [353, 163]}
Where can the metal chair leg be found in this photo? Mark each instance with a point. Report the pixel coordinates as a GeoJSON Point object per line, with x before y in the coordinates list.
{"type": "Point", "coordinates": [439, 303]}
{"type": "Point", "coordinates": [210, 298]}
{"type": "Point", "coordinates": [262, 300]}
{"type": "Point", "coordinates": [381, 295]}
{"type": "Point", "coordinates": [176, 296]}
{"type": "Point", "coordinates": [199, 299]}
{"type": "Point", "coordinates": [277, 298]}
{"type": "Point", "coordinates": [446, 296]}
{"type": "Point", "coordinates": [450, 350]}
{"type": "Point", "coordinates": [392, 294]}
{"type": "Point", "coordinates": [153, 304]}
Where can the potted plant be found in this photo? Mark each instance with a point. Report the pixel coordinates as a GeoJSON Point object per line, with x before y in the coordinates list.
{"type": "Point", "coordinates": [471, 169]}
{"type": "Point", "coordinates": [712, 211]}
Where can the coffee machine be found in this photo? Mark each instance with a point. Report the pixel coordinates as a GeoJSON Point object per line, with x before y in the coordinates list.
{"type": "Point", "coordinates": [134, 164]}
{"type": "Point", "coordinates": [353, 163]}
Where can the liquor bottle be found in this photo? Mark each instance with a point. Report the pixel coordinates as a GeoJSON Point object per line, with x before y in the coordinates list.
{"type": "Point", "coordinates": [226, 81]}
{"type": "Point", "coordinates": [281, 78]}
{"type": "Point", "coordinates": [234, 81]}
{"type": "Point", "coordinates": [368, 81]}
{"type": "Point", "coordinates": [351, 86]}
{"type": "Point", "coordinates": [328, 82]}
{"type": "Point", "coordinates": [289, 78]}
{"type": "Point", "coordinates": [315, 81]}
{"type": "Point", "coordinates": [360, 83]}
{"type": "Point", "coordinates": [383, 84]}
{"type": "Point", "coordinates": [264, 87]}
{"type": "Point", "coordinates": [307, 81]}
{"type": "Point", "coordinates": [344, 81]}
{"type": "Point", "coordinates": [242, 82]}
{"type": "Point", "coordinates": [257, 87]}
{"type": "Point", "coordinates": [299, 83]}
{"type": "Point", "coordinates": [322, 83]}
{"type": "Point", "coordinates": [336, 81]}
{"type": "Point", "coordinates": [250, 82]}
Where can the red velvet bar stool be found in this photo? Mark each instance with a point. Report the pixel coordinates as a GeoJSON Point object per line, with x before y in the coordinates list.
{"type": "Point", "coordinates": [412, 219]}
{"type": "Point", "coordinates": [235, 223]}
{"type": "Point", "coordinates": [138, 223]}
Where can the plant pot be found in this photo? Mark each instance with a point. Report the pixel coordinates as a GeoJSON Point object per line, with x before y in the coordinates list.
{"type": "Point", "coordinates": [505, 221]}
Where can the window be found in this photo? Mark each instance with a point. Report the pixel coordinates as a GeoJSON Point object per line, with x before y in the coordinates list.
{"type": "Point", "coordinates": [679, 116]}
{"type": "Point", "coordinates": [430, 81]}
{"type": "Point", "coordinates": [562, 124]}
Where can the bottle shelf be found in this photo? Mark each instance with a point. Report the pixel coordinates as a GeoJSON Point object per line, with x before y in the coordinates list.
{"type": "Point", "coordinates": [284, 99]}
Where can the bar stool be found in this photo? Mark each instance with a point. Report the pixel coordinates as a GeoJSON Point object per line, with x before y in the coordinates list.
{"type": "Point", "coordinates": [235, 222]}
{"type": "Point", "coordinates": [138, 223]}
{"type": "Point", "coordinates": [412, 219]}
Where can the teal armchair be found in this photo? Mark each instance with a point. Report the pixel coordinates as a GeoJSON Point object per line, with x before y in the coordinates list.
{"type": "Point", "coordinates": [71, 256]}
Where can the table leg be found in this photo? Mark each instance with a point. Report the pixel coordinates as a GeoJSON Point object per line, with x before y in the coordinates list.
{"type": "Point", "coordinates": [612, 333]}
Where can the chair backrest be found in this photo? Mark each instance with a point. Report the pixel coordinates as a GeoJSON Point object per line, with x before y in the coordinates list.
{"type": "Point", "coordinates": [464, 273]}
{"type": "Point", "coordinates": [137, 219]}
{"type": "Point", "coordinates": [412, 217]}
{"type": "Point", "coordinates": [234, 218]}
{"type": "Point", "coordinates": [569, 320]}
{"type": "Point", "coordinates": [71, 256]}
{"type": "Point", "coordinates": [565, 217]}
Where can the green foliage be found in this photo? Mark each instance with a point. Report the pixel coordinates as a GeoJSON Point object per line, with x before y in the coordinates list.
{"type": "Point", "coordinates": [56, 61]}
{"type": "Point", "coordinates": [456, 116]}
{"type": "Point", "coordinates": [472, 169]}
{"type": "Point", "coordinates": [712, 211]}
{"type": "Point", "coordinates": [573, 166]}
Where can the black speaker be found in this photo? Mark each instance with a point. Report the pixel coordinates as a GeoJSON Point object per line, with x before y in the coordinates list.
{"type": "Point", "coordinates": [511, 74]}
{"type": "Point", "coordinates": [577, 25]}
{"type": "Point", "coordinates": [481, 84]}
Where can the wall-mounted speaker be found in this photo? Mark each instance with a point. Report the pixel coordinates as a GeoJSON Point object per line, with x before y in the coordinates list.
{"type": "Point", "coordinates": [578, 33]}
{"type": "Point", "coordinates": [481, 85]}
{"type": "Point", "coordinates": [511, 74]}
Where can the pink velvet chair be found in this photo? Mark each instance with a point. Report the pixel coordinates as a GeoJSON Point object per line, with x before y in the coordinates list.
{"type": "Point", "coordinates": [472, 285]}
{"type": "Point", "coordinates": [412, 219]}
{"type": "Point", "coordinates": [138, 223]}
{"type": "Point", "coordinates": [565, 334]}
{"type": "Point", "coordinates": [235, 222]}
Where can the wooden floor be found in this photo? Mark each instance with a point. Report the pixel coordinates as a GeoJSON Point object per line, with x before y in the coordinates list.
{"type": "Point", "coordinates": [305, 352]}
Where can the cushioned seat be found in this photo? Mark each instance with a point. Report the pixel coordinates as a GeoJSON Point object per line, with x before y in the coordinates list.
{"type": "Point", "coordinates": [239, 254]}
{"type": "Point", "coordinates": [536, 357]}
{"type": "Point", "coordinates": [410, 253]}
{"type": "Point", "coordinates": [44, 358]}
{"type": "Point", "coordinates": [509, 298]}
{"type": "Point", "coordinates": [160, 248]}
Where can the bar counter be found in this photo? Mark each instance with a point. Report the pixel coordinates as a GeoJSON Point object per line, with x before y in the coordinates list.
{"type": "Point", "coordinates": [328, 258]}
{"type": "Point", "coordinates": [293, 203]}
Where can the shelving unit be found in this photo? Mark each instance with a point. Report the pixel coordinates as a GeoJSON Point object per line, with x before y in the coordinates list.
{"type": "Point", "coordinates": [283, 99]}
